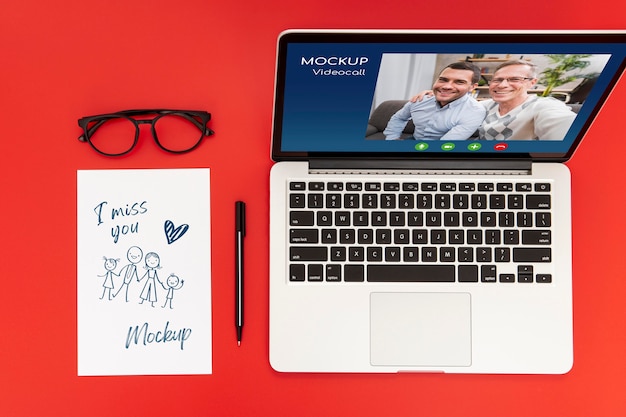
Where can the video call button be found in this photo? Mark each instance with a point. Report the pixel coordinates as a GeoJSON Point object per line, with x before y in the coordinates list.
{"type": "Point", "coordinates": [421, 146]}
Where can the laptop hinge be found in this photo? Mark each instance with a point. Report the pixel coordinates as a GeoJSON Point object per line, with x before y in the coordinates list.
{"type": "Point", "coordinates": [521, 166]}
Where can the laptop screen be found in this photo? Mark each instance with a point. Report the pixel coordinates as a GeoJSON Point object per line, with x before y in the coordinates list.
{"type": "Point", "coordinates": [432, 94]}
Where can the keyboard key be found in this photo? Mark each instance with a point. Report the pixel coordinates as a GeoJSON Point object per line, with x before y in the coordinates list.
{"type": "Point", "coordinates": [507, 277]}
{"type": "Point", "coordinates": [316, 186]}
{"type": "Point", "coordinates": [365, 236]}
{"type": "Point", "coordinates": [536, 237]}
{"type": "Point", "coordinates": [542, 187]}
{"type": "Point", "coordinates": [383, 236]}
{"type": "Point", "coordinates": [329, 236]}
{"type": "Point", "coordinates": [370, 201]}
{"type": "Point", "coordinates": [342, 218]}
{"type": "Point", "coordinates": [420, 236]}
{"type": "Point", "coordinates": [296, 272]}
{"type": "Point", "coordinates": [516, 201]}
{"type": "Point", "coordinates": [410, 273]}
{"type": "Point", "coordinates": [460, 201]}
{"type": "Point", "coordinates": [485, 186]}
{"type": "Point", "coordinates": [296, 200]}
{"type": "Point", "coordinates": [388, 201]}
{"type": "Point", "coordinates": [396, 218]}
{"type": "Point", "coordinates": [333, 272]}
{"type": "Point", "coordinates": [429, 254]}
{"type": "Point", "coordinates": [442, 201]}
{"type": "Point", "coordinates": [360, 218]}
{"type": "Point", "coordinates": [324, 218]}
{"type": "Point", "coordinates": [543, 219]}
{"type": "Point", "coordinates": [354, 273]}
{"type": "Point", "coordinates": [524, 219]}
{"type": "Point", "coordinates": [338, 253]}
{"type": "Point", "coordinates": [406, 201]}
{"type": "Point", "coordinates": [415, 218]}
{"type": "Point", "coordinates": [315, 272]}
{"type": "Point", "coordinates": [497, 201]}
{"type": "Point", "coordinates": [466, 254]}
{"type": "Point", "coordinates": [301, 218]}
{"type": "Point", "coordinates": [333, 201]}
{"type": "Point", "coordinates": [479, 201]}
{"type": "Point", "coordinates": [347, 236]}
{"type": "Point", "coordinates": [303, 236]}
{"type": "Point", "coordinates": [392, 254]}
{"type": "Point", "coordinates": [488, 273]}
{"type": "Point", "coordinates": [379, 218]}
{"type": "Point", "coordinates": [313, 253]}
{"type": "Point", "coordinates": [502, 255]}
{"type": "Point", "coordinates": [446, 254]}
{"type": "Point", "coordinates": [530, 255]}
{"type": "Point", "coordinates": [525, 269]}
{"type": "Point", "coordinates": [410, 254]}
{"type": "Point", "coordinates": [315, 201]}
{"type": "Point", "coordinates": [375, 254]}
{"type": "Point", "coordinates": [424, 201]}
{"type": "Point", "coordinates": [391, 186]}
{"type": "Point", "coordinates": [544, 278]}
{"type": "Point", "coordinates": [468, 273]}
{"type": "Point", "coordinates": [538, 201]}
{"type": "Point", "coordinates": [356, 254]}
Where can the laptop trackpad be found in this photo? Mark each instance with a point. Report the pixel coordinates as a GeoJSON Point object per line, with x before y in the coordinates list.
{"type": "Point", "coordinates": [420, 329]}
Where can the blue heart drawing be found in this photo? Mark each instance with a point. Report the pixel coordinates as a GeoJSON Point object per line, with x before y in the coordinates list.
{"type": "Point", "coordinates": [174, 233]}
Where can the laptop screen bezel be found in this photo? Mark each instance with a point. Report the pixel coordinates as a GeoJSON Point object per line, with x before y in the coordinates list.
{"type": "Point", "coordinates": [432, 37]}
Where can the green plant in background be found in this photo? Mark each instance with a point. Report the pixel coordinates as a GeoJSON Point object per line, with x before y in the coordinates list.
{"type": "Point", "coordinates": [558, 75]}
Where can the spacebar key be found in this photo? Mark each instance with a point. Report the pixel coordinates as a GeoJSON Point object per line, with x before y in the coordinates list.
{"type": "Point", "coordinates": [410, 273]}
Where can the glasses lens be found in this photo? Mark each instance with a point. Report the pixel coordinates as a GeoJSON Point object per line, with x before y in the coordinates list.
{"type": "Point", "coordinates": [177, 132]}
{"type": "Point", "coordinates": [113, 136]}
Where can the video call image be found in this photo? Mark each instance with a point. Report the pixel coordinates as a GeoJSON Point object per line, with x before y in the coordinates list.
{"type": "Point", "coordinates": [503, 97]}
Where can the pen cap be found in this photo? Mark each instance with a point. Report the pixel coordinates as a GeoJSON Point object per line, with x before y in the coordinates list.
{"type": "Point", "coordinates": [240, 216]}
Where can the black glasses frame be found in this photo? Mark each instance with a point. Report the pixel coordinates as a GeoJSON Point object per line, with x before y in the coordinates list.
{"type": "Point", "coordinates": [90, 125]}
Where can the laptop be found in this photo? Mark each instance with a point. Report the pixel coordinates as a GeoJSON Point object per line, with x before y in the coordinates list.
{"type": "Point", "coordinates": [409, 238]}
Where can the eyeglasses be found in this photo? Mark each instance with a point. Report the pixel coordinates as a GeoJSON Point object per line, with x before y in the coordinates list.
{"type": "Point", "coordinates": [511, 80]}
{"type": "Point", "coordinates": [116, 134]}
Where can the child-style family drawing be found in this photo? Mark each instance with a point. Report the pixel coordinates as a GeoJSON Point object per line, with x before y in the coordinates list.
{"type": "Point", "coordinates": [144, 272]}
{"type": "Point", "coordinates": [117, 283]}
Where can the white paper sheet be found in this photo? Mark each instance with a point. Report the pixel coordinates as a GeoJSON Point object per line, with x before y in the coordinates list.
{"type": "Point", "coordinates": [144, 272]}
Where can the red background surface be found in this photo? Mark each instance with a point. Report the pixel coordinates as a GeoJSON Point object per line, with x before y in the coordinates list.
{"type": "Point", "coordinates": [63, 60]}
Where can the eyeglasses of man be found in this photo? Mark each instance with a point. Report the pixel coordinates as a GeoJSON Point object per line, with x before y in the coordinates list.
{"type": "Point", "coordinates": [510, 80]}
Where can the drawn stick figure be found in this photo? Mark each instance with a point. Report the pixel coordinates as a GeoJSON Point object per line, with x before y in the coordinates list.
{"type": "Point", "coordinates": [171, 283]}
{"type": "Point", "coordinates": [109, 264]}
{"type": "Point", "coordinates": [134, 256]}
{"type": "Point", "coordinates": [149, 293]}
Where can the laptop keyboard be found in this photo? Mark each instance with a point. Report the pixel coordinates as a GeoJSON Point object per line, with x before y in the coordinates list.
{"type": "Point", "coordinates": [420, 231]}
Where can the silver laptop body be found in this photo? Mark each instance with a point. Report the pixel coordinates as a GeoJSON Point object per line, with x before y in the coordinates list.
{"type": "Point", "coordinates": [421, 255]}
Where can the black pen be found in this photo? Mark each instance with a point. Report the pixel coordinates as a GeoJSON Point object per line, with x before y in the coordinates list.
{"type": "Point", "coordinates": [240, 232]}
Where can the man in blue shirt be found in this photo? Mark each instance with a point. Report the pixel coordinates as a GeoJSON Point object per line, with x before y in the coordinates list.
{"type": "Point", "coordinates": [450, 114]}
